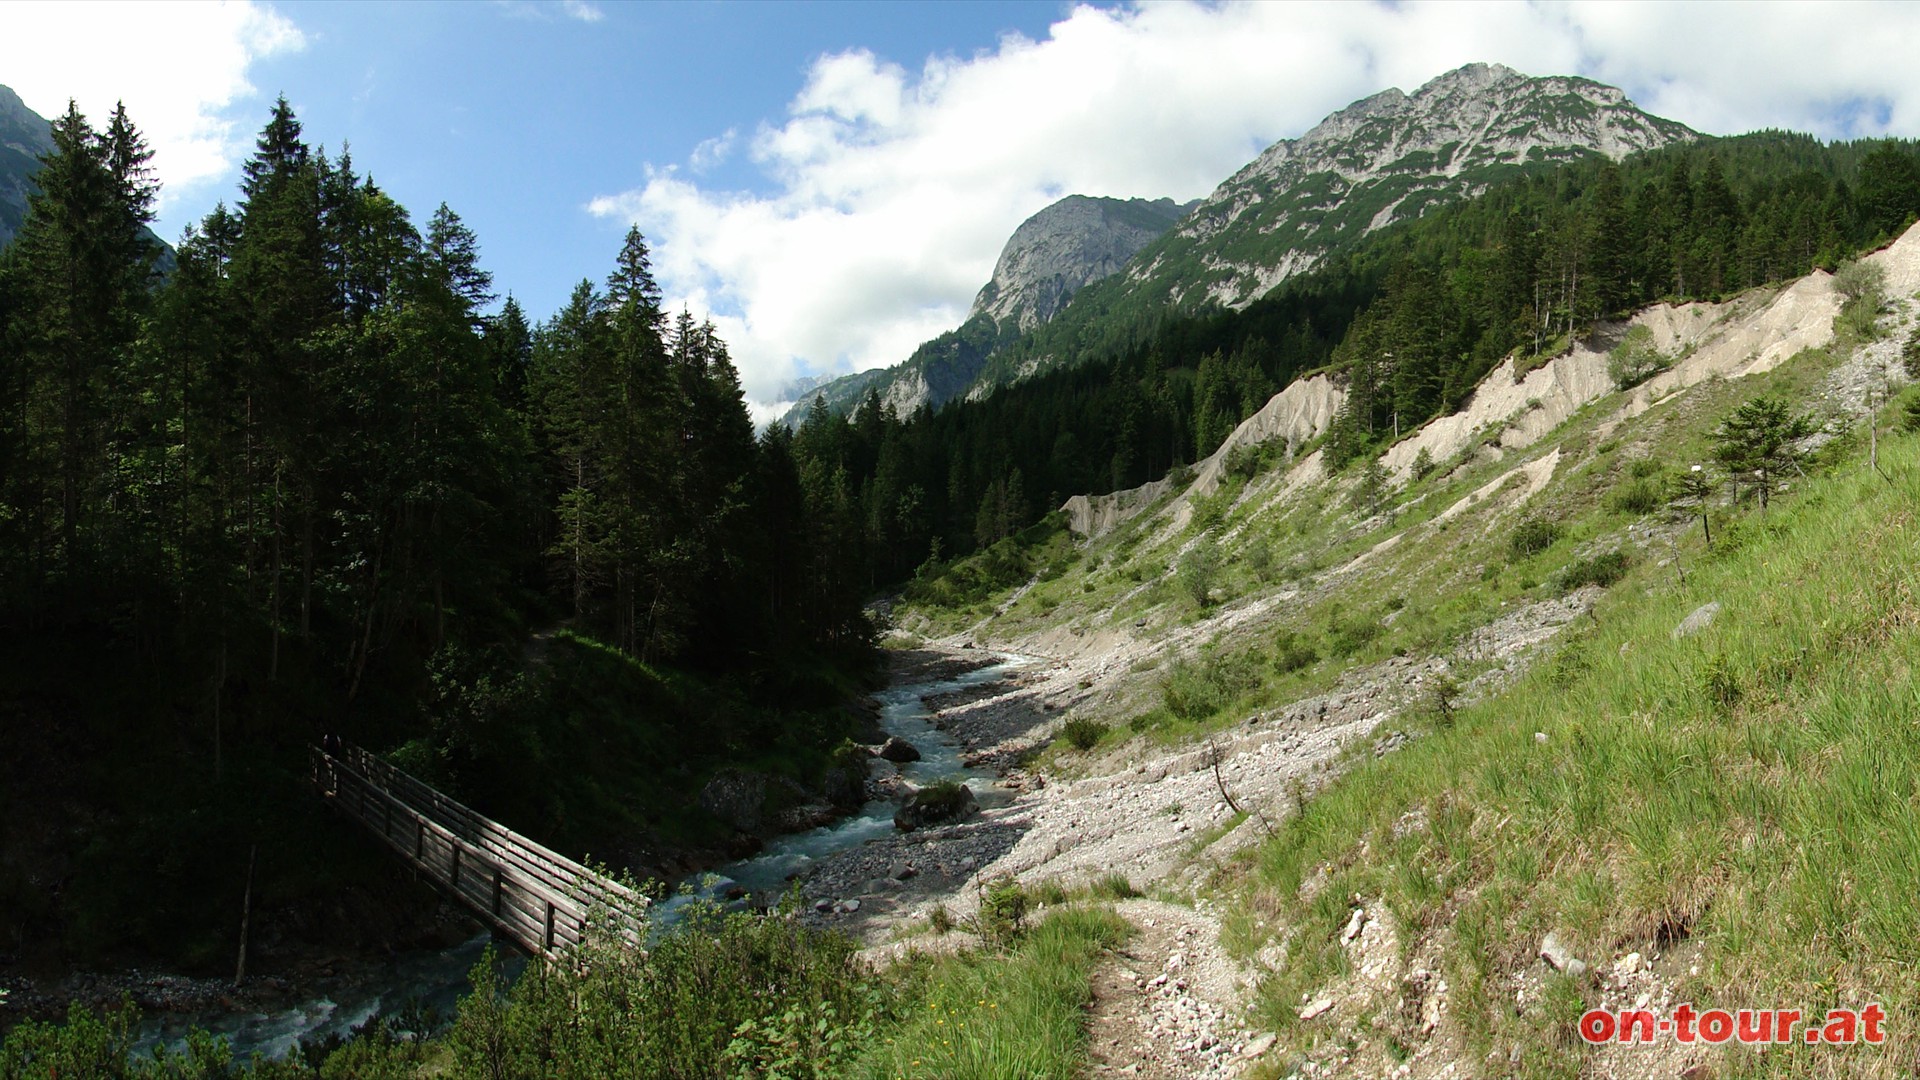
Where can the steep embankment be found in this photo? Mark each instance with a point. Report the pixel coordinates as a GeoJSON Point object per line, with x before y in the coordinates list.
{"type": "Point", "coordinates": [1228, 648]}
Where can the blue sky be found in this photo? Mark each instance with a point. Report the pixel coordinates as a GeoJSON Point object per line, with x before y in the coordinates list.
{"type": "Point", "coordinates": [518, 115]}
{"type": "Point", "coordinates": [832, 182]}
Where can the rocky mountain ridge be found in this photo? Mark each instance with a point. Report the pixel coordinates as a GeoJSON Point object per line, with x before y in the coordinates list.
{"type": "Point", "coordinates": [1386, 158]}
{"type": "Point", "coordinates": [1052, 255]}
{"type": "Point", "coordinates": [24, 136]}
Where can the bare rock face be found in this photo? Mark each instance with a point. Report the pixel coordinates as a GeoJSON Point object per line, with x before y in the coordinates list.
{"type": "Point", "coordinates": [1384, 159]}
{"type": "Point", "coordinates": [24, 136]}
{"type": "Point", "coordinates": [1070, 244]}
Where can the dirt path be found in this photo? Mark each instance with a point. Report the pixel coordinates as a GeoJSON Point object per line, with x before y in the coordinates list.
{"type": "Point", "coordinates": [1165, 1005]}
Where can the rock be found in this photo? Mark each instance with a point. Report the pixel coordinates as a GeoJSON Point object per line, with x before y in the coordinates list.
{"type": "Point", "coordinates": [901, 870]}
{"type": "Point", "coordinates": [823, 906]}
{"type": "Point", "coordinates": [1540, 736]}
{"type": "Point", "coordinates": [1316, 1007]}
{"type": "Point", "coordinates": [846, 907]}
{"type": "Point", "coordinates": [1354, 925]}
{"type": "Point", "coordinates": [1701, 618]}
{"type": "Point", "coordinates": [940, 804]}
{"type": "Point", "coordinates": [1629, 964]}
{"type": "Point", "coordinates": [845, 787]}
{"type": "Point", "coordinates": [1555, 953]}
{"type": "Point", "coordinates": [735, 797]}
{"type": "Point", "coordinates": [898, 750]}
{"type": "Point", "coordinates": [1258, 1046]}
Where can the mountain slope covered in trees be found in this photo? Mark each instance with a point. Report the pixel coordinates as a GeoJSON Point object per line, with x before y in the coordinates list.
{"type": "Point", "coordinates": [307, 484]}
{"type": "Point", "coordinates": [1411, 318]}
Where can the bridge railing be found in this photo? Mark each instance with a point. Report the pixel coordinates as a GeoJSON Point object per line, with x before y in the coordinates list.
{"type": "Point", "coordinates": [537, 897]}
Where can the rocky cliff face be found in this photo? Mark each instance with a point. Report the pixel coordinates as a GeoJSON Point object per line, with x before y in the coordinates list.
{"type": "Point", "coordinates": [1056, 251]}
{"type": "Point", "coordinates": [1052, 255]}
{"type": "Point", "coordinates": [1383, 159]}
{"type": "Point", "coordinates": [24, 136]}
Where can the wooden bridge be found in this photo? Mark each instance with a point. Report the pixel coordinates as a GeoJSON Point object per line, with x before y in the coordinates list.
{"type": "Point", "coordinates": [533, 896]}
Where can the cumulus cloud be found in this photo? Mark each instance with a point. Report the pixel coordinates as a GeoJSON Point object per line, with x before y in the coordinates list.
{"type": "Point", "coordinates": [178, 66]}
{"type": "Point", "coordinates": [581, 10]}
{"type": "Point", "coordinates": [891, 189]}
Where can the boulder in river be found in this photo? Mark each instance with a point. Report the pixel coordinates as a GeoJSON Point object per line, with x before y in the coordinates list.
{"type": "Point", "coordinates": [898, 750]}
{"type": "Point", "coordinates": [735, 797]}
{"type": "Point", "coordinates": [936, 804]}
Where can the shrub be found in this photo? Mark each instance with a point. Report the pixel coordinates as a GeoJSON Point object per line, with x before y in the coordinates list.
{"type": "Point", "coordinates": [1260, 559]}
{"type": "Point", "coordinates": [1863, 287]}
{"type": "Point", "coordinates": [1423, 464]}
{"type": "Point", "coordinates": [1198, 569]}
{"type": "Point", "coordinates": [1293, 651]}
{"type": "Point", "coordinates": [1347, 636]}
{"type": "Point", "coordinates": [1642, 496]}
{"type": "Point", "coordinates": [1910, 355]}
{"type": "Point", "coordinates": [1531, 537]}
{"type": "Point", "coordinates": [1635, 360]}
{"type": "Point", "coordinates": [1082, 733]}
{"type": "Point", "coordinates": [1003, 912]}
{"type": "Point", "coordinates": [1196, 689]}
{"type": "Point", "coordinates": [1602, 570]}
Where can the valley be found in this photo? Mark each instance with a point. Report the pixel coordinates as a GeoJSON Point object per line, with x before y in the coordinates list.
{"type": "Point", "coordinates": [1454, 577]}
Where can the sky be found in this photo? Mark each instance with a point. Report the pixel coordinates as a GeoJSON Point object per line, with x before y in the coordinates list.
{"type": "Point", "coordinates": [831, 183]}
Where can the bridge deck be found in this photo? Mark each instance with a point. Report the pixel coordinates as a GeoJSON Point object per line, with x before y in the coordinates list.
{"type": "Point", "coordinates": [530, 894]}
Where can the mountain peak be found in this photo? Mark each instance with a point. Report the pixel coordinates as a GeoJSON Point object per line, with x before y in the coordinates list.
{"type": "Point", "coordinates": [1076, 240]}
{"type": "Point", "coordinates": [1385, 158]}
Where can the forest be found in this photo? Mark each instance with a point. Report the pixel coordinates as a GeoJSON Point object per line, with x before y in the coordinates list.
{"type": "Point", "coordinates": [308, 481]}
{"type": "Point", "coordinates": [1415, 316]}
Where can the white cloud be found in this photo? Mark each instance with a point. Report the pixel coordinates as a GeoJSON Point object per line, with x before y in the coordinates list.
{"type": "Point", "coordinates": [178, 67]}
{"type": "Point", "coordinates": [711, 153]}
{"type": "Point", "coordinates": [892, 190]}
{"type": "Point", "coordinates": [548, 10]}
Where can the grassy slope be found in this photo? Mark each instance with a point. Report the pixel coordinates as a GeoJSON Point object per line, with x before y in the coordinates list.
{"type": "Point", "coordinates": [1750, 787]}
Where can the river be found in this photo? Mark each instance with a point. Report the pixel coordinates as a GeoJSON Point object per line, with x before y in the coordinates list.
{"type": "Point", "coordinates": [432, 983]}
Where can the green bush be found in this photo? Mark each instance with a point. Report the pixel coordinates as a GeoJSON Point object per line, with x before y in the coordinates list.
{"type": "Point", "coordinates": [1635, 360]}
{"type": "Point", "coordinates": [1196, 689]}
{"type": "Point", "coordinates": [1082, 733]}
{"type": "Point", "coordinates": [1531, 537]}
{"type": "Point", "coordinates": [1603, 570]}
{"type": "Point", "coordinates": [1199, 568]}
{"type": "Point", "coordinates": [1347, 635]}
{"type": "Point", "coordinates": [1003, 912]}
{"type": "Point", "coordinates": [1638, 497]}
{"type": "Point", "coordinates": [1293, 651]}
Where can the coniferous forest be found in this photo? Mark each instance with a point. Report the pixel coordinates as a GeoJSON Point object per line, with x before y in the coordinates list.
{"type": "Point", "coordinates": [303, 483]}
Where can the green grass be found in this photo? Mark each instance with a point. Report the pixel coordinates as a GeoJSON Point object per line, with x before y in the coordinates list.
{"type": "Point", "coordinates": [1011, 1016]}
{"type": "Point", "coordinates": [1751, 788]}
